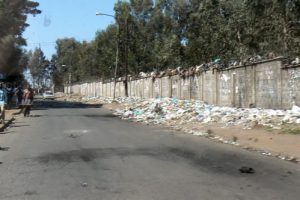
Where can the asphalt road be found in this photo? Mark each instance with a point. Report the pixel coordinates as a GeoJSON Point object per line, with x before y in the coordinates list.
{"type": "Point", "coordinates": [80, 152]}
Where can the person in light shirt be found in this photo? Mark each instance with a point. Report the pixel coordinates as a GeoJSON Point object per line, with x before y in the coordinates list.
{"type": "Point", "coordinates": [3, 102]}
{"type": "Point", "coordinates": [27, 101]}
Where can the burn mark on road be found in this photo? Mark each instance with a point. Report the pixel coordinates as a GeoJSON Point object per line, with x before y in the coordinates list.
{"type": "Point", "coordinates": [4, 148]}
{"type": "Point", "coordinates": [218, 162]}
{"type": "Point", "coordinates": [68, 157]}
{"type": "Point", "coordinates": [30, 193]}
{"type": "Point", "coordinates": [101, 116]}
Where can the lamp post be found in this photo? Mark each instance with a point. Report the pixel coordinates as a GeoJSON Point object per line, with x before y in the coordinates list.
{"type": "Point", "coordinates": [117, 52]}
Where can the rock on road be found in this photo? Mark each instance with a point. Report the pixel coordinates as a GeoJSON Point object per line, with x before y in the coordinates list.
{"type": "Point", "coordinates": [79, 152]}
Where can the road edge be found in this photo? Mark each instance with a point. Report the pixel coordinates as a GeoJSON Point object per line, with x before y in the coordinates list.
{"type": "Point", "coordinates": [8, 122]}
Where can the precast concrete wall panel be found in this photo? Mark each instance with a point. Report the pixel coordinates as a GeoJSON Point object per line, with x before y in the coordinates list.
{"type": "Point", "coordinates": [290, 87]}
{"type": "Point", "coordinates": [243, 87]}
{"type": "Point", "coordinates": [208, 87]}
{"type": "Point", "coordinates": [156, 88]}
{"type": "Point", "coordinates": [165, 87]}
{"type": "Point", "coordinates": [175, 86]}
{"type": "Point", "coordinates": [147, 86]}
{"type": "Point", "coordinates": [185, 88]}
{"type": "Point", "coordinates": [225, 88]}
{"type": "Point", "coordinates": [266, 84]}
{"type": "Point", "coordinates": [195, 87]}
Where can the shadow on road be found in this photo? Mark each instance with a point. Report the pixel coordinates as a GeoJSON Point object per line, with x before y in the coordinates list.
{"type": "Point", "coordinates": [53, 104]}
{"type": "Point", "coordinates": [101, 116]}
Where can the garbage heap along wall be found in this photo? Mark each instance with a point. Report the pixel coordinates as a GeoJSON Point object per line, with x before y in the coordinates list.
{"type": "Point", "coordinates": [266, 84]}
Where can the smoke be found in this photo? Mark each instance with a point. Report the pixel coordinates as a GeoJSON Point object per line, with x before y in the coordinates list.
{"type": "Point", "coordinates": [9, 54]}
{"type": "Point", "coordinates": [6, 50]}
{"type": "Point", "coordinates": [47, 21]}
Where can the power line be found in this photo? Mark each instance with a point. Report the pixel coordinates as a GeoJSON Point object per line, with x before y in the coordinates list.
{"type": "Point", "coordinates": [41, 43]}
{"type": "Point", "coordinates": [54, 42]}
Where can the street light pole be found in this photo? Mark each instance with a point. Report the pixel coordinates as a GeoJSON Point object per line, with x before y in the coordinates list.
{"type": "Point", "coordinates": [117, 52]}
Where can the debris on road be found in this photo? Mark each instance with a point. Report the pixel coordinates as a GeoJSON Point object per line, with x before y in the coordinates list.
{"type": "Point", "coordinates": [74, 136]}
{"type": "Point", "coordinates": [4, 148]}
{"type": "Point", "coordinates": [84, 185]}
{"type": "Point", "coordinates": [247, 170]}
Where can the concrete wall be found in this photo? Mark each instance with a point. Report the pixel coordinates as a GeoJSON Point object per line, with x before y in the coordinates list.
{"type": "Point", "coordinates": [265, 84]}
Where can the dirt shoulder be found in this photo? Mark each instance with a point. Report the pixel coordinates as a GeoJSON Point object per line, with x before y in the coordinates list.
{"type": "Point", "coordinates": [266, 141]}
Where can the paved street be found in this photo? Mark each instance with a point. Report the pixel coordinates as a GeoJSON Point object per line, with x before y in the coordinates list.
{"type": "Point", "coordinates": [80, 152]}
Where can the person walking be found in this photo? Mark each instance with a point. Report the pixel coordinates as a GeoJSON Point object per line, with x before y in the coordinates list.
{"type": "Point", "coordinates": [3, 102]}
{"type": "Point", "coordinates": [27, 101]}
{"type": "Point", "coordinates": [19, 95]}
{"type": "Point", "coordinates": [10, 94]}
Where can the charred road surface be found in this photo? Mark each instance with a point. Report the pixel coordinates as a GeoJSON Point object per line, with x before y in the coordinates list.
{"type": "Point", "coordinates": [75, 151]}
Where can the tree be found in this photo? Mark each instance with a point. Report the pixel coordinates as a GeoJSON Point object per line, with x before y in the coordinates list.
{"type": "Point", "coordinates": [13, 15]}
{"type": "Point", "coordinates": [105, 43]}
{"type": "Point", "coordinates": [39, 68]}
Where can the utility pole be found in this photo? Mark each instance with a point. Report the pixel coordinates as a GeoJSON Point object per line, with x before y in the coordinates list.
{"type": "Point", "coordinates": [117, 51]}
{"type": "Point", "coordinates": [126, 57]}
{"type": "Point", "coordinates": [117, 60]}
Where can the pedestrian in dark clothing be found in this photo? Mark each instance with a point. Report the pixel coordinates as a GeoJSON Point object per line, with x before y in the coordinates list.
{"type": "Point", "coordinates": [10, 94]}
{"type": "Point", "coordinates": [27, 101]}
{"type": "Point", "coordinates": [19, 95]}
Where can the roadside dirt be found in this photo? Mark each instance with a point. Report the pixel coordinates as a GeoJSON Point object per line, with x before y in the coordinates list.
{"type": "Point", "coordinates": [260, 138]}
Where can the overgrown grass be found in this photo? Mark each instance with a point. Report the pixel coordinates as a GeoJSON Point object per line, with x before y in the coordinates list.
{"type": "Point", "coordinates": [234, 138]}
{"type": "Point", "coordinates": [293, 129]}
{"type": "Point", "coordinates": [209, 132]}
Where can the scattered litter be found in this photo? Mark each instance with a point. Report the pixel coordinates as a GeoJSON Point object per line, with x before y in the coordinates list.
{"type": "Point", "coordinates": [75, 131]}
{"type": "Point", "coordinates": [292, 159]}
{"type": "Point", "coordinates": [200, 134]}
{"type": "Point", "coordinates": [4, 148]}
{"type": "Point", "coordinates": [74, 136]}
{"type": "Point", "coordinates": [84, 185]}
{"type": "Point", "coordinates": [266, 153]}
{"type": "Point", "coordinates": [247, 170]}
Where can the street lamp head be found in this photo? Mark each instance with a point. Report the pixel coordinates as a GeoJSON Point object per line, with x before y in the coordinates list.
{"type": "Point", "coordinates": [99, 13]}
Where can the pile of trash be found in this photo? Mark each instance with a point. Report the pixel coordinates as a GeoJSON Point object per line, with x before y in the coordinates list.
{"type": "Point", "coordinates": [108, 100]}
{"type": "Point", "coordinates": [165, 110]}
{"type": "Point", "coordinates": [216, 64]}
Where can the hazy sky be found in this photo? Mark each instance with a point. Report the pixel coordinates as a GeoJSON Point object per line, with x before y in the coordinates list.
{"type": "Point", "coordinates": [66, 18]}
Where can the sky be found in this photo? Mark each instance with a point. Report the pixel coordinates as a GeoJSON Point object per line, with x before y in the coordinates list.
{"type": "Point", "coordinates": [66, 18]}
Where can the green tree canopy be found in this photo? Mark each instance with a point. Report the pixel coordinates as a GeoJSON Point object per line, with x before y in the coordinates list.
{"type": "Point", "coordinates": [13, 15]}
